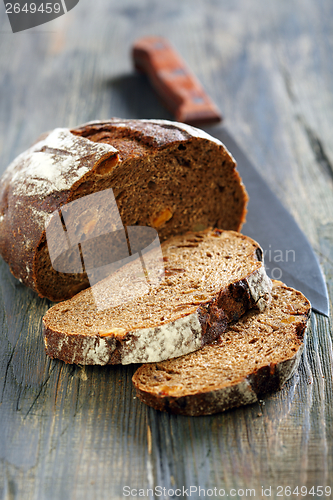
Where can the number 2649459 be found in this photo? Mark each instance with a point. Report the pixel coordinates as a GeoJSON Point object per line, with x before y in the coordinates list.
{"type": "Point", "coordinates": [32, 8]}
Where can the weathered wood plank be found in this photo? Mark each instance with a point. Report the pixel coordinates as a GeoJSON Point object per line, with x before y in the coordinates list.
{"type": "Point", "coordinates": [72, 432]}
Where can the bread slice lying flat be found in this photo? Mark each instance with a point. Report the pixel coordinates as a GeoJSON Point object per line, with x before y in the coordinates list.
{"type": "Point", "coordinates": [211, 279]}
{"type": "Point", "coordinates": [163, 174]}
{"type": "Point", "coordinates": [254, 356]}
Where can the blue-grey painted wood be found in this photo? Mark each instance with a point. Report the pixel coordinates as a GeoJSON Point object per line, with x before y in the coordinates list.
{"type": "Point", "coordinates": [79, 433]}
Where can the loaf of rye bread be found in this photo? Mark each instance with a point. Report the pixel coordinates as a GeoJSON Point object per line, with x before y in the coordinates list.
{"type": "Point", "coordinates": [211, 278]}
{"type": "Point", "coordinates": [163, 174]}
{"type": "Point", "coordinates": [252, 357]}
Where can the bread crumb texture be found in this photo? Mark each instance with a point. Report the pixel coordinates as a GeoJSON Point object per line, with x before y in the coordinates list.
{"type": "Point", "coordinates": [257, 354]}
{"type": "Point", "coordinates": [210, 279]}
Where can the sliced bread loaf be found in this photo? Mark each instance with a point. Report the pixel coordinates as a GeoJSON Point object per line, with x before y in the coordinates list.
{"type": "Point", "coordinates": [254, 356]}
{"type": "Point", "coordinates": [211, 279]}
{"type": "Point", "coordinates": [163, 174]}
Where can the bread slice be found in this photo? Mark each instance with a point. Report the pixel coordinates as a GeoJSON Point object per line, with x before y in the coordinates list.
{"type": "Point", "coordinates": [254, 356]}
{"type": "Point", "coordinates": [211, 279]}
{"type": "Point", "coordinates": [163, 174]}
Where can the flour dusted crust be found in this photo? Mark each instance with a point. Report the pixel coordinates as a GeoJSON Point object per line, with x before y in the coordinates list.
{"type": "Point", "coordinates": [164, 124]}
{"type": "Point", "coordinates": [199, 384]}
{"type": "Point", "coordinates": [37, 180]}
{"type": "Point", "coordinates": [68, 164]}
{"type": "Point", "coordinates": [140, 346]}
{"type": "Point", "coordinates": [165, 341]}
{"type": "Point", "coordinates": [257, 282]}
{"type": "Point", "coordinates": [54, 164]}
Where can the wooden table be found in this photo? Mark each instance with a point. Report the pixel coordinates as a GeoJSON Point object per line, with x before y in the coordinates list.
{"type": "Point", "coordinates": [69, 432]}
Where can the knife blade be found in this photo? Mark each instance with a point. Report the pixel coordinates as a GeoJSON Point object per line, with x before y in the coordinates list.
{"type": "Point", "coordinates": [288, 254]}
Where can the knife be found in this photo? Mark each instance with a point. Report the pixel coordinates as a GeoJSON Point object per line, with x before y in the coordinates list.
{"type": "Point", "coordinates": [288, 254]}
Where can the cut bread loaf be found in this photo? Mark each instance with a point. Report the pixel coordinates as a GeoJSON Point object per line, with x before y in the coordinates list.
{"type": "Point", "coordinates": [211, 279]}
{"type": "Point", "coordinates": [254, 356]}
{"type": "Point", "coordinates": [163, 174]}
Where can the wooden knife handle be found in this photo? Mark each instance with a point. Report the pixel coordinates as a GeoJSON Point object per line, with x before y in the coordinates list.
{"type": "Point", "coordinates": [179, 89]}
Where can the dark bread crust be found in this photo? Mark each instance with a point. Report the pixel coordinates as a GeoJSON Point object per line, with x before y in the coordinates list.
{"type": "Point", "coordinates": [265, 380]}
{"type": "Point", "coordinates": [107, 153]}
{"type": "Point", "coordinates": [268, 377]}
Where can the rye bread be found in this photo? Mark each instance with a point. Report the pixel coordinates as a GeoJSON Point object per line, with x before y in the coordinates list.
{"type": "Point", "coordinates": [211, 279]}
{"type": "Point", "coordinates": [163, 174]}
{"type": "Point", "coordinates": [252, 357]}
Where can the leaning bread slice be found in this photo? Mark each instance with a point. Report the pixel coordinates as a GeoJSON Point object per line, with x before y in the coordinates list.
{"type": "Point", "coordinates": [254, 356]}
{"type": "Point", "coordinates": [162, 174]}
{"type": "Point", "coordinates": [211, 279]}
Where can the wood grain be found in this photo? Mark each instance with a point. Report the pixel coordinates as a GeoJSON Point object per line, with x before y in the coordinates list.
{"type": "Point", "coordinates": [79, 433]}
